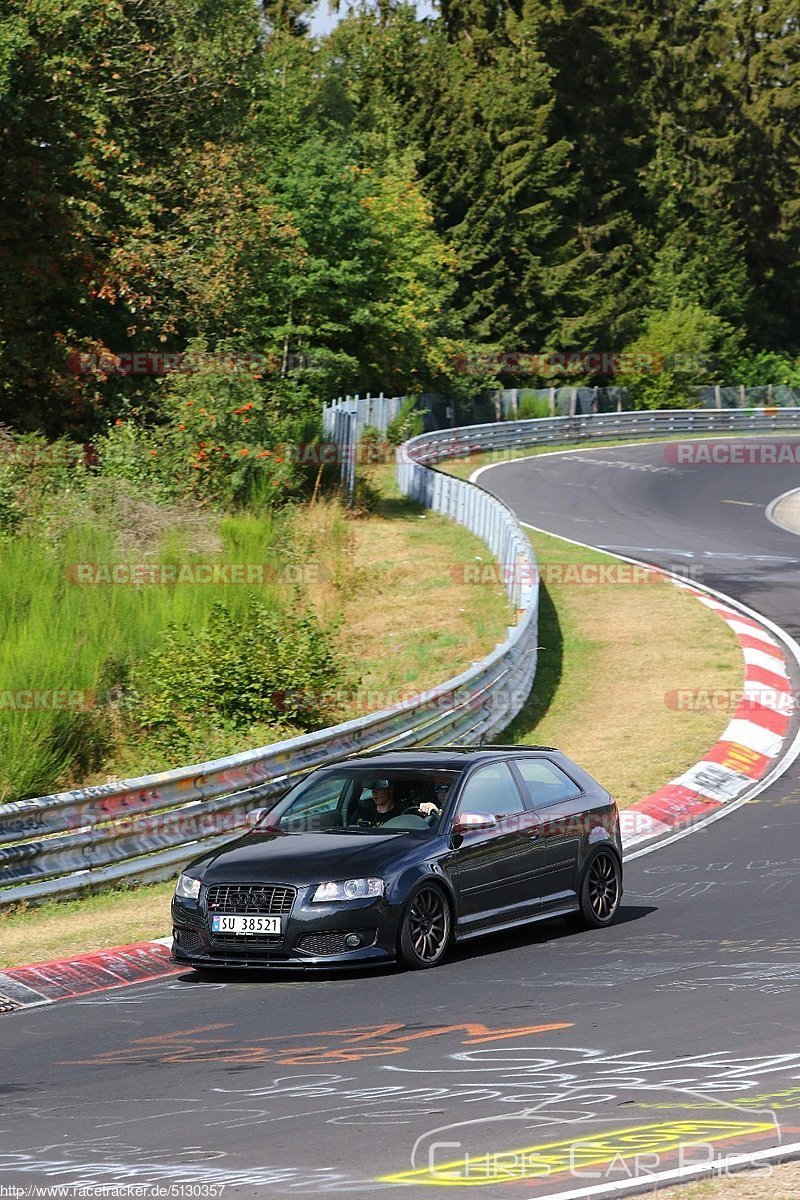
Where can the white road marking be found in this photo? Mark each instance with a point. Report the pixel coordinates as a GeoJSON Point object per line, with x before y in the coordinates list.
{"type": "Point", "coordinates": [773, 504]}
{"type": "Point", "coordinates": [793, 750]}
{"type": "Point", "coordinates": [611, 548]}
{"type": "Point", "coordinates": [759, 658]}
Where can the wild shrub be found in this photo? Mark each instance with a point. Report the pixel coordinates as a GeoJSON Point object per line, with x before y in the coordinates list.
{"type": "Point", "coordinates": [238, 671]}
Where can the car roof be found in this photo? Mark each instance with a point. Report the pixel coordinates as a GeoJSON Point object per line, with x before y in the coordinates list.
{"type": "Point", "coordinates": [442, 757]}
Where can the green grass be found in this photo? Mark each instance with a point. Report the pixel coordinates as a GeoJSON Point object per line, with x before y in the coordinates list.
{"type": "Point", "coordinates": [85, 637]}
{"type": "Point", "coordinates": [608, 655]}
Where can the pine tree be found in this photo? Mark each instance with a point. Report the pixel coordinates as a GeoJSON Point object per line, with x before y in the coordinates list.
{"type": "Point", "coordinates": [691, 177]}
{"type": "Point", "coordinates": [765, 69]}
{"type": "Point", "coordinates": [598, 278]}
{"type": "Point", "coordinates": [481, 114]}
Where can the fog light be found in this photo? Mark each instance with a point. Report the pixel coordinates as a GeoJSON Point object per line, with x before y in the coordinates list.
{"type": "Point", "coordinates": [352, 941]}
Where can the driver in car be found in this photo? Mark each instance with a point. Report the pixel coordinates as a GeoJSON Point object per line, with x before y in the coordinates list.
{"type": "Point", "coordinates": [432, 811]}
{"type": "Point", "coordinates": [380, 806]}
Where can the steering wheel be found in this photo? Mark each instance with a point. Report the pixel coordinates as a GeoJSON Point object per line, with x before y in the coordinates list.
{"type": "Point", "coordinates": [412, 818]}
{"type": "Point", "coordinates": [421, 820]}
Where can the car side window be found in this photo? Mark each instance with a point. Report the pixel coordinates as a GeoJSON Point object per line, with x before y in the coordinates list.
{"type": "Point", "coordinates": [546, 783]}
{"type": "Point", "coordinates": [492, 790]}
{"type": "Point", "coordinates": [319, 803]}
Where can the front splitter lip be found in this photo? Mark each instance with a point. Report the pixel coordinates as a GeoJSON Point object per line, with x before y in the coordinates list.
{"type": "Point", "coordinates": [354, 958]}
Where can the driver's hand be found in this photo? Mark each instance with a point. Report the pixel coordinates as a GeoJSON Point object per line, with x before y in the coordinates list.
{"type": "Point", "coordinates": [427, 807]}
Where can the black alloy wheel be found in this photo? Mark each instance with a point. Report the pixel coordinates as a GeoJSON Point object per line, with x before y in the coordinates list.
{"type": "Point", "coordinates": [600, 892]}
{"type": "Point", "coordinates": [425, 929]}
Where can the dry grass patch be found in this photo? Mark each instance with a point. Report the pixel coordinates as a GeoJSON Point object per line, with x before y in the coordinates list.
{"type": "Point", "coordinates": [61, 928]}
{"type": "Point", "coordinates": [610, 655]}
{"type": "Point", "coordinates": [408, 623]}
{"type": "Point", "coordinates": [783, 1183]}
{"type": "Point", "coordinates": [411, 624]}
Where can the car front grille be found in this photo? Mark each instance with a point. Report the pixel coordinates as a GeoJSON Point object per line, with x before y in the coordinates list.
{"type": "Point", "coordinates": [246, 942]}
{"type": "Point", "coordinates": [251, 898]}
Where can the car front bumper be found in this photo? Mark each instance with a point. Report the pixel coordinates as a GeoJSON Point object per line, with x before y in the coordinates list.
{"type": "Point", "coordinates": [312, 935]}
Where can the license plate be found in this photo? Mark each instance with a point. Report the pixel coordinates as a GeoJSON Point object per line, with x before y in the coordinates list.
{"type": "Point", "coordinates": [239, 923]}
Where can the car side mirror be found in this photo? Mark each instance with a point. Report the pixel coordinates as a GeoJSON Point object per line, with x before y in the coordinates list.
{"type": "Point", "coordinates": [468, 822]}
{"type": "Point", "coordinates": [254, 816]}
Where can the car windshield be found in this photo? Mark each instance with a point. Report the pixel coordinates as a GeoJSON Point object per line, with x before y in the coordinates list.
{"type": "Point", "coordinates": [365, 800]}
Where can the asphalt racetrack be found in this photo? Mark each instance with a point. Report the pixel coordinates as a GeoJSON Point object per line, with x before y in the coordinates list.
{"type": "Point", "coordinates": [528, 1065]}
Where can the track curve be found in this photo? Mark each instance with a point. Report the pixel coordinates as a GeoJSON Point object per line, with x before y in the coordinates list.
{"type": "Point", "coordinates": [534, 1064]}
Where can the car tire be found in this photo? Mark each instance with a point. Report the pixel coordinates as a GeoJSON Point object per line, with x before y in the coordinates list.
{"type": "Point", "coordinates": [599, 893]}
{"type": "Point", "coordinates": [425, 929]}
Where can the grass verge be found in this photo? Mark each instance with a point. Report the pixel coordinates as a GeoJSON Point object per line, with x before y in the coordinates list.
{"type": "Point", "coordinates": [61, 928]}
{"type": "Point", "coordinates": [610, 655]}
{"type": "Point", "coordinates": [412, 620]}
{"type": "Point", "coordinates": [781, 1183]}
{"type": "Point", "coordinates": [605, 649]}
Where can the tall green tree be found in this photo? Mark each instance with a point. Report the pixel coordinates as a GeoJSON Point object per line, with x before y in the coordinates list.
{"type": "Point", "coordinates": [289, 16]}
{"type": "Point", "coordinates": [722, 101]}
{"type": "Point", "coordinates": [368, 297]}
{"type": "Point", "coordinates": [766, 80]}
{"type": "Point", "coordinates": [479, 111]}
{"type": "Point", "coordinates": [120, 126]}
{"type": "Point", "coordinates": [691, 176]}
{"type": "Point", "coordinates": [598, 275]}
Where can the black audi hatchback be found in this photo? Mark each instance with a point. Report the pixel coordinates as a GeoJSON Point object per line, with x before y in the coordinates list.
{"type": "Point", "coordinates": [396, 855]}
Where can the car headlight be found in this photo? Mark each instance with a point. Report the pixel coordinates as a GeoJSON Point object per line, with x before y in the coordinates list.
{"type": "Point", "coordinates": [350, 889]}
{"type": "Point", "coordinates": [187, 888]}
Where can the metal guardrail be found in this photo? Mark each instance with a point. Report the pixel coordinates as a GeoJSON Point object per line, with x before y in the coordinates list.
{"type": "Point", "coordinates": [513, 435]}
{"type": "Point", "coordinates": [561, 400]}
{"type": "Point", "coordinates": [145, 829]}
